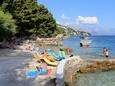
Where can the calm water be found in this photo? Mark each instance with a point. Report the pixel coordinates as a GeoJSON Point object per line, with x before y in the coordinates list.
{"type": "Point", "coordinates": [97, 79]}
{"type": "Point", "coordinates": [94, 51]}
{"type": "Point", "coordinates": [95, 48]}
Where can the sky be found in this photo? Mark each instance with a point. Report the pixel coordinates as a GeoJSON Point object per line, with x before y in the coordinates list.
{"type": "Point", "coordinates": [96, 16]}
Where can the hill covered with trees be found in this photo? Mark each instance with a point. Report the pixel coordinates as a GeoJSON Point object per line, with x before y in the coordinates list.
{"type": "Point", "coordinates": [67, 30]}
{"type": "Point", "coordinates": [31, 18]}
{"type": "Point", "coordinates": [28, 18]}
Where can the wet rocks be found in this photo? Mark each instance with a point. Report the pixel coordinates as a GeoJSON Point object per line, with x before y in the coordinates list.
{"type": "Point", "coordinates": [72, 68]}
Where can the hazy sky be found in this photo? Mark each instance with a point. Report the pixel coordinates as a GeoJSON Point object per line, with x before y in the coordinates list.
{"type": "Point", "coordinates": [67, 12]}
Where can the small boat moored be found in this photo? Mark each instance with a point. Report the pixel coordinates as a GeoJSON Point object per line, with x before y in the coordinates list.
{"type": "Point", "coordinates": [85, 42]}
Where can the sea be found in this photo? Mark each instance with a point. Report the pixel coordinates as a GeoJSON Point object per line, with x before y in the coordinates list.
{"type": "Point", "coordinates": [96, 79]}
{"type": "Point", "coordinates": [95, 49]}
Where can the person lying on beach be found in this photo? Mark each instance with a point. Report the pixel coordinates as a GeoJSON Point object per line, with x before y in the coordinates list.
{"type": "Point", "coordinates": [43, 67]}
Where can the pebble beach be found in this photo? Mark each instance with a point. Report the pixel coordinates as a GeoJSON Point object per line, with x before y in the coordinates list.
{"type": "Point", "coordinates": [12, 65]}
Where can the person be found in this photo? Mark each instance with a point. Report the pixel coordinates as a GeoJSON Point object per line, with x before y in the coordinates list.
{"type": "Point", "coordinates": [39, 68]}
{"type": "Point", "coordinates": [105, 52]}
{"type": "Point", "coordinates": [44, 69]}
{"type": "Point", "coordinates": [62, 53]}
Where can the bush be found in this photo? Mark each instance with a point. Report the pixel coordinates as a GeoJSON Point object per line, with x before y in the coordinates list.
{"type": "Point", "coordinates": [7, 26]}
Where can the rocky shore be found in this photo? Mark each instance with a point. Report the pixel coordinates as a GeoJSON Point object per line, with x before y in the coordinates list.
{"type": "Point", "coordinates": [73, 68]}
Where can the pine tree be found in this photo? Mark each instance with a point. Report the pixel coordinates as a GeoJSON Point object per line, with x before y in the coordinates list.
{"type": "Point", "coordinates": [31, 18]}
{"type": "Point", "coordinates": [7, 25]}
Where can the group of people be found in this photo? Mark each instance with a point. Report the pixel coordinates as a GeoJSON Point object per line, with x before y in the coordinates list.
{"type": "Point", "coordinates": [105, 52]}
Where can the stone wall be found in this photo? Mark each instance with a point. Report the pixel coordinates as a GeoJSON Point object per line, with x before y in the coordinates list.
{"type": "Point", "coordinates": [60, 69]}
{"type": "Point", "coordinates": [70, 70]}
{"type": "Point", "coordinates": [73, 67]}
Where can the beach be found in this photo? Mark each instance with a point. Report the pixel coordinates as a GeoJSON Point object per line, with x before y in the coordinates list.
{"type": "Point", "coordinates": [46, 43]}
{"type": "Point", "coordinates": [11, 62]}
{"type": "Point", "coordinates": [14, 62]}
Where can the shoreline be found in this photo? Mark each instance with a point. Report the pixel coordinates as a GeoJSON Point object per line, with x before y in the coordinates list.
{"type": "Point", "coordinates": [13, 56]}
{"type": "Point", "coordinates": [72, 68]}
{"type": "Point", "coordinates": [53, 78]}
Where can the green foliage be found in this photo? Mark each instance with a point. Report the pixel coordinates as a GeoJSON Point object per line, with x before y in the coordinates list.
{"type": "Point", "coordinates": [45, 24]}
{"type": "Point", "coordinates": [59, 30]}
{"type": "Point", "coordinates": [7, 25]}
{"type": "Point", "coordinates": [31, 18]}
{"type": "Point", "coordinates": [1, 1]}
{"type": "Point", "coordinates": [66, 30]}
{"type": "Point", "coordinates": [82, 33]}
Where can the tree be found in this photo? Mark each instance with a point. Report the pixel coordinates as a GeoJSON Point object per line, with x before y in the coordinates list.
{"type": "Point", "coordinates": [31, 18]}
{"type": "Point", "coordinates": [45, 23]}
{"type": "Point", "coordinates": [1, 1]}
{"type": "Point", "coordinates": [7, 25]}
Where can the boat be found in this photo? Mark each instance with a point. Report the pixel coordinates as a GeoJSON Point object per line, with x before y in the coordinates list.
{"type": "Point", "coordinates": [85, 41]}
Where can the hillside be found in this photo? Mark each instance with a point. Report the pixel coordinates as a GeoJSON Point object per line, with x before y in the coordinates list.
{"type": "Point", "coordinates": [71, 31]}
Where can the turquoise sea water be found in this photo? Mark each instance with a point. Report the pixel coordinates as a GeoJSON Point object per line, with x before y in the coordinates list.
{"type": "Point", "coordinates": [97, 79]}
{"type": "Point", "coordinates": [93, 51]}
{"type": "Point", "coordinates": [95, 48]}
